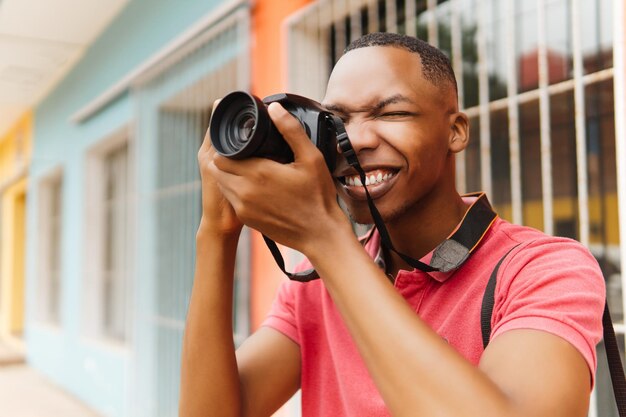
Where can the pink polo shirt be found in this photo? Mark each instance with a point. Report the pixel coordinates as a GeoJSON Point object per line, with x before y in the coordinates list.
{"type": "Point", "coordinates": [547, 283]}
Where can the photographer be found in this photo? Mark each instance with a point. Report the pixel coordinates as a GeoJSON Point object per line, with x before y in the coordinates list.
{"type": "Point", "coordinates": [375, 336]}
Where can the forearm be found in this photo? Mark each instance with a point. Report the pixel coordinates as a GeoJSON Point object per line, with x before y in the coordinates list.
{"type": "Point", "coordinates": [209, 376]}
{"type": "Point", "coordinates": [415, 370]}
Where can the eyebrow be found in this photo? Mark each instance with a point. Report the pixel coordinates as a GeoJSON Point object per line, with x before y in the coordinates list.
{"type": "Point", "coordinates": [396, 98]}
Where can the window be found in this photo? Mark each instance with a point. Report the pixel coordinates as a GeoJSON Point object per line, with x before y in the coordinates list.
{"type": "Point", "coordinates": [536, 79]}
{"type": "Point", "coordinates": [115, 265]}
{"type": "Point", "coordinates": [50, 226]}
{"type": "Point", "coordinates": [174, 101]}
{"type": "Point", "coordinates": [109, 233]}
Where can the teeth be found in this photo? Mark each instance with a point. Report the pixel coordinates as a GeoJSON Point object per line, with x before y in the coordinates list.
{"type": "Point", "coordinates": [371, 179]}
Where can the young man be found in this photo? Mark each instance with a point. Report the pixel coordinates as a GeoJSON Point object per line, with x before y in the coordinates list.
{"type": "Point", "coordinates": [373, 336]}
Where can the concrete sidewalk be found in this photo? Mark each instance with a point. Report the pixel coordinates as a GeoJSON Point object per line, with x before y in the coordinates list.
{"type": "Point", "coordinates": [24, 392]}
{"type": "Point", "coordinates": [11, 353]}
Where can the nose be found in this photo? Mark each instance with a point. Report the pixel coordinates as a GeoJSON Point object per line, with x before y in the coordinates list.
{"type": "Point", "coordinates": [362, 135]}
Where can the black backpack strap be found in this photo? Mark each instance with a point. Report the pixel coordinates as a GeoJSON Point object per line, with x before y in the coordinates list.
{"type": "Point", "coordinates": [616, 369]}
{"type": "Point", "coordinates": [613, 356]}
{"type": "Point", "coordinates": [488, 300]}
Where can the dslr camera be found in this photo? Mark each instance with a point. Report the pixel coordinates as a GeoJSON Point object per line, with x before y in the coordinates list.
{"type": "Point", "coordinates": [241, 127]}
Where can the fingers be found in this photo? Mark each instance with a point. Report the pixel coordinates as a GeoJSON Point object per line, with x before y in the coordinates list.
{"type": "Point", "coordinates": [206, 143]}
{"type": "Point", "coordinates": [291, 129]}
{"type": "Point", "coordinates": [244, 167]}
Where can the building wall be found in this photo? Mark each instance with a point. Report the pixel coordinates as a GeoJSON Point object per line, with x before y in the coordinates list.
{"type": "Point", "coordinates": [269, 67]}
{"type": "Point", "coordinates": [99, 373]}
{"type": "Point", "coordinates": [15, 150]}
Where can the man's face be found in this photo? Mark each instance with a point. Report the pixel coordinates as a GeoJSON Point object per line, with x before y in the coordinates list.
{"type": "Point", "coordinates": [399, 125]}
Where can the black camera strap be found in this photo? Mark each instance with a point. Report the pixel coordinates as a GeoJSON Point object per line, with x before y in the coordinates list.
{"type": "Point", "coordinates": [448, 256]}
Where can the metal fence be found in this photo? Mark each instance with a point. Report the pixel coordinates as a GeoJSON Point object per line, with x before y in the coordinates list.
{"type": "Point", "coordinates": [173, 104]}
{"type": "Point", "coordinates": [537, 80]}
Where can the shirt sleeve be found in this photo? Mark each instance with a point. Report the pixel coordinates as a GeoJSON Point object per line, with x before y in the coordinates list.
{"type": "Point", "coordinates": [554, 285]}
{"type": "Point", "coordinates": [282, 315]}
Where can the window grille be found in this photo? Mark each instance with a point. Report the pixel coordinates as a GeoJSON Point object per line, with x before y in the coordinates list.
{"type": "Point", "coordinates": [174, 103]}
{"type": "Point", "coordinates": [50, 224]}
{"type": "Point", "coordinates": [116, 224]}
{"type": "Point", "coordinates": [536, 79]}
{"type": "Point", "coordinates": [110, 239]}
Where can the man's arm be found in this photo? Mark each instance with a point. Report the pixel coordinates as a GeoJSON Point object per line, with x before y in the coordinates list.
{"type": "Point", "coordinates": [209, 375]}
{"type": "Point", "coordinates": [216, 381]}
{"type": "Point", "coordinates": [259, 377]}
{"type": "Point", "coordinates": [522, 372]}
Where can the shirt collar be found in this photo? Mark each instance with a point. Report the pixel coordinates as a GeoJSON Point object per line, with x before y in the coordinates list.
{"type": "Point", "coordinates": [452, 253]}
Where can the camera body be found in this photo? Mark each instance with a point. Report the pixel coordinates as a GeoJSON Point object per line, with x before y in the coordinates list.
{"type": "Point", "coordinates": [241, 127]}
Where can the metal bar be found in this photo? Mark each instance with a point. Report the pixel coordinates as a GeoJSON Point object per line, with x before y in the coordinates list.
{"type": "Point", "coordinates": [457, 65]}
{"type": "Point", "coordinates": [483, 94]}
{"type": "Point", "coordinates": [409, 17]}
{"type": "Point", "coordinates": [544, 120]}
{"type": "Point", "coordinates": [297, 65]}
{"type": "Point", "coordinates": [324, 52]}
{"type": "Point", "coordinates": [551, 90]}
{"type": "Point", "coordinates": [318, 67]}
{"type": "Point", "coordinates": [619, 88]}
{"type": "Point", "coordinates": [391, 16]}
{"type": "Point", "coordinates": [354, 7]}
{"type": "Point", "coordinates": [243, 60]}
{"type": "Point", "coordinates": [433, 36]}
{"type": "Point", "coordinates": [514, 145]}
{"type": "Point", "coordinates": [339, 11]}
{"type": "Point", "coordinates": [581, 136]}
{"type": "Point", "coordinates": [372, 16]}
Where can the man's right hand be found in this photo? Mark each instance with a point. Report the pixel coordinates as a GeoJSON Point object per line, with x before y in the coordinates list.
{"type": "Point", "coordinates": [218, 215]}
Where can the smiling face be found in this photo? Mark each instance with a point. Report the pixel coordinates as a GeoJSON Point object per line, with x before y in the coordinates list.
{"type": "Point", "coordinates": [404, 129]}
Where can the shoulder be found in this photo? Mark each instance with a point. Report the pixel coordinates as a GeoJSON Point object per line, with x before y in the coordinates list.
{"type": "Point", "coordinates": [552, 284]}
{"type": "Point", "coordinates": [531, 246]}
{"type": "Point", "coordinates": [539, 261]}
{"type": "Point", "coordinates": [535, 251]}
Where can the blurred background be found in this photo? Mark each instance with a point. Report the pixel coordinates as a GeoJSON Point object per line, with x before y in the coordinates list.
{"type": "Point", "coordinates": [103, 106]}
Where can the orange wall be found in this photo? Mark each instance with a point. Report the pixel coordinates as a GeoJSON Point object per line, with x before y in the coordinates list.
{"type": "Point", "coordinates": [268, 68]}
{"type": "Point", "coordinates": [269, 55]}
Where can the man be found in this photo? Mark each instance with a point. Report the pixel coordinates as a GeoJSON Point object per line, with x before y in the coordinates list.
{"type": "Point", "coordinates": [382, 338]}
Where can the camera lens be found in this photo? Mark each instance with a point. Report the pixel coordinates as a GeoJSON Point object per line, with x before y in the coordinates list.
{"type": "Point", "coordinates": [239, 125]}
{"type": "Point", "coordinates": [241, 129]}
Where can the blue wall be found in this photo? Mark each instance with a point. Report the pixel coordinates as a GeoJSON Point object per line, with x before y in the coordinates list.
{"type": "Point", "coordinates": [99, 374]}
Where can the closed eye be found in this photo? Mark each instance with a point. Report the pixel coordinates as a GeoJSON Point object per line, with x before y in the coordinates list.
{"type": "Point", "coordinates": [395, 115]}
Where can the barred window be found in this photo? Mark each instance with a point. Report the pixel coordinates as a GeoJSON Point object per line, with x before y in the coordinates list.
{"type": "Point", "coordinates": [535, 78]}
{"type": "Point", "coordinates": [50, 226]}
{"type": "Point", "coordinates": [110, 239]}
{"type": "Point", "coordinates": [115, 265]}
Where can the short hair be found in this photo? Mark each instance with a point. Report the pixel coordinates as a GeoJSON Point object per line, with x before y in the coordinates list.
{"type": "Point", "coordinates": [436, 66]}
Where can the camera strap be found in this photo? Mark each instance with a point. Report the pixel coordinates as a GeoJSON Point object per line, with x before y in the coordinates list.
{"type": "Point", "coordinates": [449, 255]}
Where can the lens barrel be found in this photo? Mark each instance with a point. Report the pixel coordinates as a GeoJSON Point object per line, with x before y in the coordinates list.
{"type": "Point", "coordinates": [239, 125]}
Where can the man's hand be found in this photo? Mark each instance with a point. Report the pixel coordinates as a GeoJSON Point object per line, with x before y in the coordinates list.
{"type": "Point", "coordinates": [293, 204]}
{"type": "Point", "coordinates": [218, 215]}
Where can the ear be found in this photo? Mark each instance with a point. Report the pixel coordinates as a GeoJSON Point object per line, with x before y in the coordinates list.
{"type": "Point", "coordinates": [459, 132]}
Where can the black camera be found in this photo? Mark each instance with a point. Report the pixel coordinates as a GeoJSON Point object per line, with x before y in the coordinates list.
{"type": "Point", "coordinates": [241, 127]}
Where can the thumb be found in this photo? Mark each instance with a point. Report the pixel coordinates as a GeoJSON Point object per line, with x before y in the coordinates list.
{"type": "Point", "coordinates": [291, 129]}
